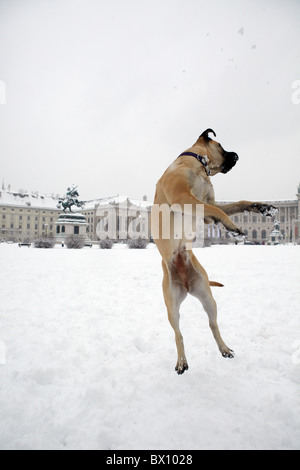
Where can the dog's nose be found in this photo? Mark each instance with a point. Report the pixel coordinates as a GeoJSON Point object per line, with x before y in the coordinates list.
{"type": "Point", "coordinates": [231, 155]}
{"type": "Point", "coordinates": [229, 161]}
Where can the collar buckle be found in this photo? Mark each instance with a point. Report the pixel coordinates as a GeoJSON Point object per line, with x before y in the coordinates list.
{"type": "Point", "coordinates": [203, 160]}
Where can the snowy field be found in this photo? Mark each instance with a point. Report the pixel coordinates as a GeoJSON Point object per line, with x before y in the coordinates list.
{"type": "Point", "coordinates": [87, 355]}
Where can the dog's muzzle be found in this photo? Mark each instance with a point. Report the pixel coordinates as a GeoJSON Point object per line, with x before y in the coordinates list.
{"type": "Point", "coordinates": [230, 159]}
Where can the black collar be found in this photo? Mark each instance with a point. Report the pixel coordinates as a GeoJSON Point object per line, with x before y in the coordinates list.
{"type": "Point", "coordinates": [199, 158]}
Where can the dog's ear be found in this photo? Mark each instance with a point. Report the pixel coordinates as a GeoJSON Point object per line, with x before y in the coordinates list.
{"type": "Point", "coordinates": [205, 135]}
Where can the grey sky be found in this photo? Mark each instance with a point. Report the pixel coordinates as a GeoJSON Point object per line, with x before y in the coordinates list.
{"type": "Point", "coordinates": [106, 93]}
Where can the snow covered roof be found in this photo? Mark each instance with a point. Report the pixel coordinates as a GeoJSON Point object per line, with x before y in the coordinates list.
{"type": "Point", "coordinates": [34, 200]}
{"type": "Point", "coordinates": [89, 205]}
{"type": "Point", "coordinates": [269, 201]}
{"type": "Point", "coordinates": [40, 201]}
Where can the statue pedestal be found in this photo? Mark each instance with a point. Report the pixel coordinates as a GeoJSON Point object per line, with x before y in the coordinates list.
{"type": "Point", "coordinates": [275, 237]}
{"type": "Point", "coordinates": [71, 224]}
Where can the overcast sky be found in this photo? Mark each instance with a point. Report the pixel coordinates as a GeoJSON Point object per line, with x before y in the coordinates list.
{"type": "Point", "coordinates": [107, 93]}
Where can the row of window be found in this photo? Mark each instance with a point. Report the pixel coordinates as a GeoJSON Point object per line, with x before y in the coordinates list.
{"type": "Point", "coordinates": [248, 218]}
{"type": "Point", "coordinates": [4, 209]}
{"type": "Point", "coordinates": [62, 229]}
{"type": "Point", "coordinates": [12, 227]}
{"type": "Point", "coordinates": [259, 218]}
{"type": "Point", "coordinates": [28, 218]}
{"type": "Point", "coordinates": [254, 234]}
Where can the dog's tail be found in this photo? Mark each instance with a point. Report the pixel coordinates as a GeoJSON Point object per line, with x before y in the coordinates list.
{"type": "Point", "coordinates": [215, 284]}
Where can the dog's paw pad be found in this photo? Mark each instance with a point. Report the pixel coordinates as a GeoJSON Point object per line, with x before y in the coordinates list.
{"type": "Point", "coordinates": [265, 209]}
{"type": "Point", "coordinates": [236, 234]}
{"type": "Point", "coordinates": [226, 352]}
{"type": "Point", "coordinates": [181, 367]}
{"type": "Point", "coordinates": [270, 211]}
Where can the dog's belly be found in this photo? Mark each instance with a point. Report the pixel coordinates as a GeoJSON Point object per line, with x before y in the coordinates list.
{"type": "Point", "coordinates": [181, 268]}
{"type": "Point", "coordinates": [176, 233]}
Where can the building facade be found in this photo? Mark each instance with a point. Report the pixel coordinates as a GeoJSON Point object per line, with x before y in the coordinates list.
{"type": "Point", "coordinates": [29, 216]}
{"type": "Point", "coordinates": [258, 227]}
{"type": "Point", "coordinates": [296, 222]}
{"type": "Point", "coordinates": [116, 217]}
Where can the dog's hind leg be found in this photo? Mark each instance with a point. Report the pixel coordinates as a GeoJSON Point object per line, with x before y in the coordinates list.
{"type": "Point", "coordinates": [200, 288]}
{"type": "Point", "coordinates": [174, 294]}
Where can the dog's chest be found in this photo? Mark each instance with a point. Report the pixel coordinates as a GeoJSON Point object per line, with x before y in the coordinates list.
{"type": "Point", "coordinates": [201, 188]}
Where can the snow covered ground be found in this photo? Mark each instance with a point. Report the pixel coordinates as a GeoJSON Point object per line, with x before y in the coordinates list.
{"type": "Point", "coordinates": [87, 355]}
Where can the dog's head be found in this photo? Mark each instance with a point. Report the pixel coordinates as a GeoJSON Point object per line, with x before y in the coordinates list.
{"type": "Point", "coordinates": [220, 161]}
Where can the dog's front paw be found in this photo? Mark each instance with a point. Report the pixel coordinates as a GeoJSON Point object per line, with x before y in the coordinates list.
{"type": "Point", "coordinates": [265, 209]}
{"type": "Point", "coordinates": [237, 233]}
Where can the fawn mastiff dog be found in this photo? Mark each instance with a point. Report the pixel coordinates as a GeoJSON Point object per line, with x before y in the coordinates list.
{"type": "Point", "coordinates": [186, 184]}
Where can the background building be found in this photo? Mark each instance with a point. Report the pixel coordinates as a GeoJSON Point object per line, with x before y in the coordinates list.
{"type": "Point", "coordinates": [258, 227]}
{"type": "Point", "coordinates": [130, 213]}
{"type": "Point", "coordinates": [296, 222]}
{"type": "Point", "coordinates": [26, 216]}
